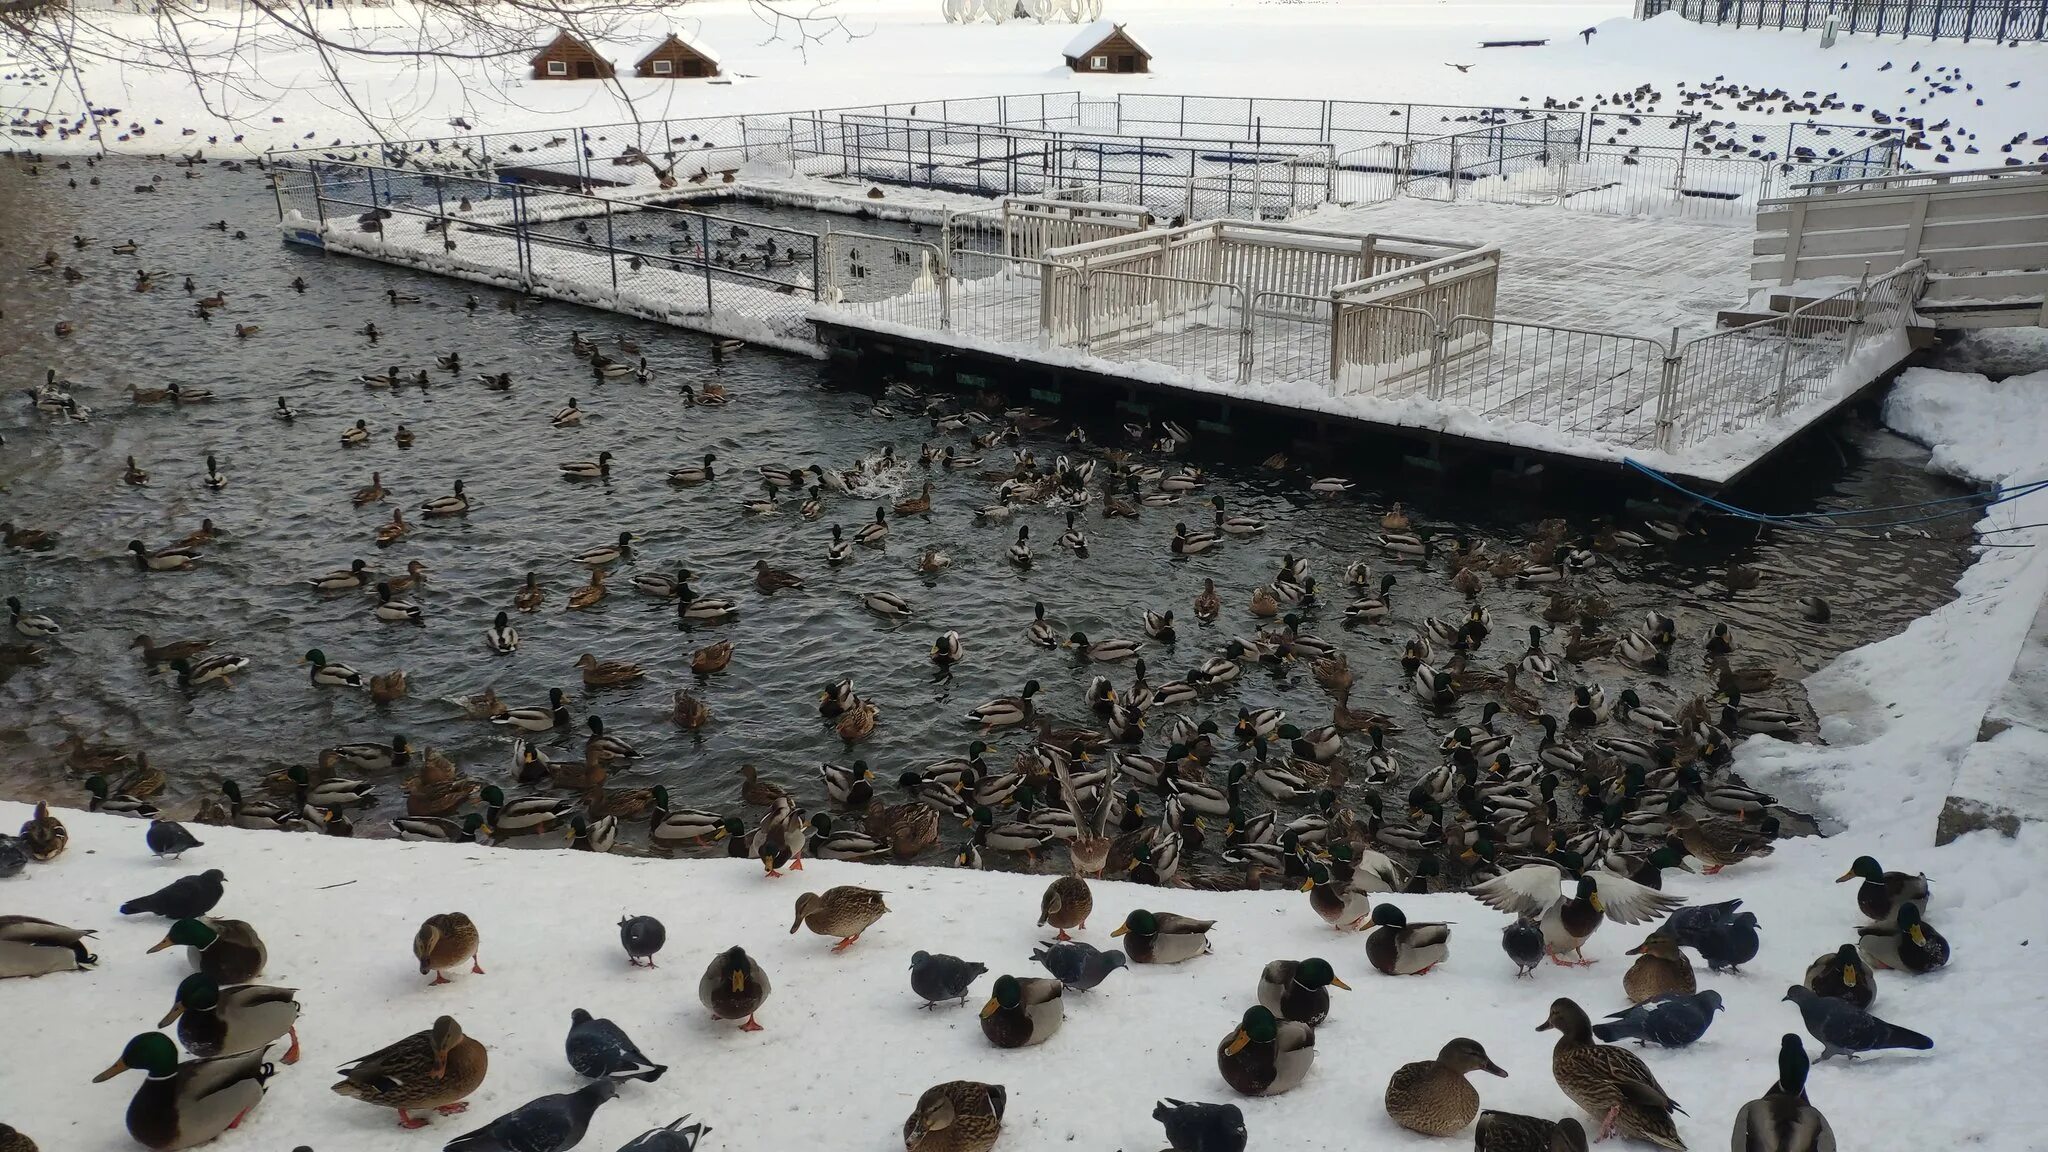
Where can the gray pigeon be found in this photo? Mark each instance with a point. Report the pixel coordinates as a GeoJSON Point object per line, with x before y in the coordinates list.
{"type": "Point", "coordinates": [13, 856]}
{"type": "Point", "coordinates": [169, 838]}
{"type": "Point", "coordinates": [1078, 966]}
{"type": "Point", "coordinates": [186, 898]}
{"type": "Point", "coordinates": [642, 937]}
{"type": "Point", "coordinates": [1672, 1020]}
{"type": "Point", "coordinates": [601, 1050]}
{"type": "Point", "coordinates": [943, 977]}
{"type": "Point", "coordinates": [1199, 1127]}
{"type": "Point", "coordinates": [1523, 942]}
{"type": "Point", "coordinates": [1692, 924]}
{"type": "Point", "coordinates": [1731, 943]}
{"type": "Point", "coordinates": [1844, 1029]}
{"type": "Point", "coordinates": [546, 1124]}
{"type": "Point", "coordinates": [677, 1137]}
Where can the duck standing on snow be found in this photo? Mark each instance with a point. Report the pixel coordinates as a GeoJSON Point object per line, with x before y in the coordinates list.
{"type": "Point", "coordinates": [186, 1105]}
{"type": "Point", "coordinates": [433, 1069]}
{"type": "Point", "coordinates": [445, 940]}
{"type": "Point", "coordinates": [734, 986]}
{"type": "Point", "coordinates": [1608, 1081]}
{"type": "Point", "coordinates": [845, 911]}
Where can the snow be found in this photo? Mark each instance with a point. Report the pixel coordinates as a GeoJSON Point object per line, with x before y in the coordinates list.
{"type": "Point", "coordinates": [1094, 34]}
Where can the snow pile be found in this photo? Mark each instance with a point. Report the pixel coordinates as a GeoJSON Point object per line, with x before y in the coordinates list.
{"type": "Point", "coordinates": [846, 1050]}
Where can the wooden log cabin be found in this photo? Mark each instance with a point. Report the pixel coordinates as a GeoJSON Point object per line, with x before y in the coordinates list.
{"type": "Point", "coordinates": [569, 58]}
{"type": "Point", "coordinates": [678, 59]}
{"type": "Point", "coordinates": [1105, 47]}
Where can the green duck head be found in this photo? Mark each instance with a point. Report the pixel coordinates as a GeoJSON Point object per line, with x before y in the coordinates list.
{"type": "Point", "coordinates": [1139, 923]}
{"type": "Point", "coordinates": [1257, 1027]}
{"type": "Point", "coordinates": [152, 1052]}
{"type": "Point", "coordinates": [1008, 994]}
{"type": "Point", "coordinates": [97, 785]}
{"type": "Point", "coordinates": [1865, 867]}
{"type": "Point", "coordinates": [1386, 915]}
{"type": "Point", "coordinates": [190, 933]}
{"type": "Point", "coordinates": [198, 993]}
{"type": "Point", "coordinates": [1315, 972]}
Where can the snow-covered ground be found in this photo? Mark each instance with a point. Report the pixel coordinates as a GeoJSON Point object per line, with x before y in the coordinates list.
{"type": "Point", "coordinates": [903, 50]}
{"type": "Point", "coordinates": [846, 1050]}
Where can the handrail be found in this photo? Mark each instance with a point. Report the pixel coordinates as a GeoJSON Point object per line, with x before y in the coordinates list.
{"type": "Point", "coordinates": [1414, 271]}
{"type": "Point", "coordinates": [1935, 177]}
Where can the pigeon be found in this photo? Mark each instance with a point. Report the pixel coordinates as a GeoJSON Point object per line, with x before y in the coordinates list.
{"type": "Point", "coordinates": [1672, 1020]}
{"type": "Point", "coordinates": [186, 898]}
{"type": "Point", "coordinates": [642, 937]}
{"type": "Point", "coordinates": [601, 1050]}
{"type": "Point", "coordinates": [169, 838]}
{"type": "Point", "coordinates": [546, 1124]}
{"type": "Point", "coordinates": [1523, 942]}
{"type": "Point", "coordinates": [1198, 1127]}
{"type": "Point", "coordinates": [1844, 1029]}
{"type": "Point", "coordinates": [943, 977]}
{"type": "Point", "coordinates": [1078, 966]}
{"type": "Point", "coordinates": [13, 856]}
{"type": "Point", "coordinates": [1731, 943]}
{"type": "Point", "coordinates": [1690, 925]}
{"type": "Point", "coordinates": [674, 1138]}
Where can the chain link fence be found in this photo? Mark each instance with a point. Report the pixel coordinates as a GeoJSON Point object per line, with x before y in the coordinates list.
{"type": "Point", "coordinates": [2006, 20]}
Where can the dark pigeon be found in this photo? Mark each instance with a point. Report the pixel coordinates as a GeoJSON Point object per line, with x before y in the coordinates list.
{"type": "Point", "coordinates": [186, 898]}
{"type": "Point", "coordinates": [1078, 966]}
{"type": "Point", "coordinates": [169, 838]}
{"type": "Point", "coordinates": [1691, 924]}
{"type": "Point", "coordinates": [943, 977]}
{"type": "Point", "coordinates": [642, 937]}
{"type": "Point", "coordinates": [547, 1124]}
{"type": "Point", "coordinates": [1731, 943]}
{"type": "Point", "coordinates": [1523, 942]}
{"type": "Point", "coordinates": [601, 1050]}
{"type": "Point", "coordinates": [1672, 1021]}
{"type": "Point", "coordinates": [1843, 1029]}
{"type": "Point", "coordinates": [13, 856]}
{"type": "Point", "coordinates": [1198, 1127]}
{"type": "Point", "coordinates": [677, 1137]}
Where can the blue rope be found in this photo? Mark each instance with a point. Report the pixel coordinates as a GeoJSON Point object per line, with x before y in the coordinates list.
{"type": "Point", "coordinates": [1802, 521]}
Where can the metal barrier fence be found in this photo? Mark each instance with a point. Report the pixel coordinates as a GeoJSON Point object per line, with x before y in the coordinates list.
{"type": "Point", "coordinates": [2009, 20]}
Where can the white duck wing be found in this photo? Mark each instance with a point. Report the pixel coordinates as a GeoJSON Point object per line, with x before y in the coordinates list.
{"type": "Point", "coordinates": [1626, 902]}
{"type": "Point", "coordinates": [1530, 890]}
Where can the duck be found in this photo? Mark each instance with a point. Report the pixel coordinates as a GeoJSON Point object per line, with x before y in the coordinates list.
{"type": "Point", "coordinates": [1433, 1097]}
{"type": "Point", "coordinates": [1881, 894]}
{"type": "Point", "coordinates": [356, 575]}
{"type": "Point", "coordinates": [1537, 890]}
{"type": "Point", "coordinates": [104, 799]}
{"type": "Point", "coordinates": [1910, 944]}
{"type": "Point", "coordinates": [690, 474]}
{"type": "Point", "coordinates": [604, 673]}
{"type": "Point", "coordinates": [956, 1116]}
{"type": "Point", "coordinates": [887, 605]}
{"type": "Point", "coordinates": [34, 625]}
{"type": "Point", "coordinates": [1608, 1080]}
{"type": "Point", "coordinates": [501, 637]}
{"type": "Point", "coordinates": [1661, 969]}
{"type": "Point", "coordinates": [1186, 543]}
{"type": "Point", "coordinates": [173, 559]}
{"type": "Point", "coordinates": [1843, 974]}
{"type": "Point", "coordinates": [1299, 990]}
{"type": "Point", "coordinates": [733, 987]}
{"type": "Point", "coordinates": [30, 946]}
{"type": "Point", "coordinates": [1235, 525]}
{"type": "Point", "coordinates": [604, 554]}
{"type": "Point", "coordinates": [456, 503]}
{"type": "Point", "coordinates": [591, 594]}
{"type": "Point", "coordinates": [1006, 711]}
{"type": "Point", "coordinates": [857, 723]}
{"type": "Point", "coordinates": [601, 746]}
{"type": "Point", "coordinates": [555, 715]}
{"type": "Point", "coordinates": [1782, 1119]}
{"type": "Point", "coordinates": [356, 434]}
{"type": "Point", "coordinates": [874, 533]}
{"type": "Point", "coordinates": [395, 611]}
{"type": "Point", "coordinates": [216, 1021]}
{"type": "Point", "coordinates": [598, 469]}
{"type": "Point", "coordinates": [840, 550]}
{"type": "Point", "coordinates": [228, 951]}
{"type": "Point", "coordinates": [1022, 1011]}
{"type": "Point", "coordinates": [328, 674]}
{"type": "Point", "coordinates": [662, 586]}
{"type": "Point", "coordinates": [691, 606]}
{"type": "Point", "coordinates": [845, 911]}
{"type": "Point", "coordinates": [1163, 937]}
{"type": "Point", "coordinates": [205, 669]}
{"type": "Point", "coordinates": [436, 1069]}
{"type": "Point", "coordinates": [1102, 651]}
{"type": "Point", "coordinates": [1264, 1055]}
{"type": "Point", "coordinates": [444, 940]}
{"type": "Point", "coordinates": [370, 756]}
{"type": "Point", "coordinates": [1771, 721]}
{"type": "Point", "coordinates": [189, 1104]}
{"type": "Point", "coordinates": [1399, 948]}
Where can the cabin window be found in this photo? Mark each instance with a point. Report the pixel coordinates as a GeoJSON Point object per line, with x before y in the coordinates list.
{"type": "Point", "coordinates": [558, 68]}
{"type": "Point", "coordinates": [1098, 63]}
{"type": "Point", "coordinates": [664, 67]}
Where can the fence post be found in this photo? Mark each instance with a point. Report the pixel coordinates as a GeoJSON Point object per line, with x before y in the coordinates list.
{"type": "Point", "coordinates": [1667, 392]}
{"type": "Point", "coordinates": [611, 249]}
{"type": "Point", "coordinates": [704, 260]}
{"type": "Point", "coordinates": [1439, 354]}
{"type": "Point", "coordinates": [817, 285]}
{"type": "Point", "coordinates": [1854, 327]}
{"type": "Point", "coordinates": [319, 194]}
{"type": "Point", "coordinates": [1084, 292]}
{"type": "Point", "coordinates": [1784, 362]}
{"type": "Point", "coordinates": [1245, 348]}
{"type": "Point", "coordinates": [1454, 169]}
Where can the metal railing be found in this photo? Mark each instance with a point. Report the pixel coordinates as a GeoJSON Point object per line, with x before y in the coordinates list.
{"type": "Point", "coordinates": [2008, 20]}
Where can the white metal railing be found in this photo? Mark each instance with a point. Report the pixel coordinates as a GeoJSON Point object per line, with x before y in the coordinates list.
{"type": "Point", "coordinates": [1031, 227]}
{"type": "Point", "coordinates": [1918, 179]}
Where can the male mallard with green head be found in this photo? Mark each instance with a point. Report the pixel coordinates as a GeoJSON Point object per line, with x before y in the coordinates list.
{"type": "Point", "coordinates": [1023, 1011]}
{"type": "Point", "coordinates": [1299, 989]}
{"type": "Point", "coordinates": [1264, 1055]}
{"type": "Point", "coordinates": [228, 951]}
{"type": "Point", "coordinates": [1163, 937]}
{"type": "Point", "coordinates": [186, 1105]}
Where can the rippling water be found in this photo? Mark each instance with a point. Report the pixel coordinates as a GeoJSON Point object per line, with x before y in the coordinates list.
{"type": "Point", "coordinates": [286, 516]}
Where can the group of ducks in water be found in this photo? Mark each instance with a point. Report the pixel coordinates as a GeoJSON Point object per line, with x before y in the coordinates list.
{"type": "Point", "coordinates": [229, 1024]}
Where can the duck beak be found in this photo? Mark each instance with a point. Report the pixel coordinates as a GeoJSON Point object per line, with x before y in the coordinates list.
{"type": "Point", "coordinates": [1468, 854]}
{"type": "Point", "coordinates": [1237, 1043]}
{"type": "Point", "coordinates": [1635, 951]}
{"type": "Point", "coordinates": [1851, 875]}
{"type": "Point", "coordinates": [176, 1011]}
{"type": "Point", "coordinates": [739, 982]}
{"type": "Point", "coordinates": [1334, 980]}
{"type": "Point", "coordinates": [1848, 980]}
{"type": "Point", "coordinates": [989, 1009]}
{"type": "Point", "coordinates": [1598, 904]}
{"type": "Point", "coordinates": [1496, 1069]}
{"type": "Point", "coordinates": [160, 946]}
{"type": "Point", "coordinates": [1119, 930]}
{"type": "Point", "coordinates": [1543, 1027]}
{"type": "Point", "coordinates": [119, 1067]}
{"type": "Point", "coordinates": [1308, 885]}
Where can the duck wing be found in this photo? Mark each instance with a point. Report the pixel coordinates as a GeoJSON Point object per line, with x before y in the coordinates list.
{"type": "Point", "coordinates": [1530, 890]}
{"type": "Point", "coordinates": [1624, 901]}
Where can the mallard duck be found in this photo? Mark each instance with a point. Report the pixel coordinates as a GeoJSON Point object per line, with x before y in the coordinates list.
{"type": "Point", "coordinates": [434, 1069]}
{"type": "Point", "coordinates": [957, 1116]}
{"type": "Point", "coordinates": [1513, 1132]}
{"type": "Point", "coordinates": [135, 476]}
{"type": "Point", "coordinates": [1264, 1055]}
{"type": "Point", "coordinates": [857, 723]}
{"type": "Point", "coordinates": [1066, 904]}
{"type": "Point", "coordinates": [329, 674]}
{"type": "Point", "coordinates": [1782, 1119]}
{"type": "Point", "coordinates": [34, 947]}
{"type": "Point", "coordinates": [604, 554]}
{"type": "Point", "coordinates": [555, 715]}
{"type": "Point", "coordinates": [1006, 711]}
{"type": "Point", "coordinates": [1608, 1081]}
{"type": "Point", "coordinates": [1163, 937]}
{"type": "Point", "coordinates": [531, 595]}
{"type": "Point", "coordinates": [228, 951]}
{"type": "Point", "coordinates": [258, 815]}
{"type": "Point", "coordinates": [392, 610]}
{"type": "Point", "coordinates": [456, 503]}
{"type": "Point", "coordinates": [1010, 836]}
{"type": "Point", "coordinates": [216, 1021]}
{"type": "Point", "coordinates": [193, 673]}
{"type": "Point", "coordinates": [186, 1105]}
{"type": "Point", "coordinates": [1661, 969]}
{"type": "Point", "coordinates": [356, 575]}
{"type": "Point", "coordinates": [414, 577]}
{"type": "Point", "coordinates": [694, 473]}
{"type": "Point", "coordinates": [1186, 543]}
{"type": "Point", "coordinates": [1023, 1011]}
{"type": "Point", "coordinates": [669, 825]}
{"type": "Point", "coordinates": [43, 836]}
{"type": "Point", "coordinates": [603, 673]}
{"type": "Point", "coordinates": [1910, 944]}
{"type": "Point", "coordinates": [501, 637]}
{"type": "Point", "coordinates": [588, 835]}
{"type": "Point", "coordinates": [1299, 990]}
{"type": "Point", "coordinates": [1432, 1096]}
{"type": "Point", "coordinates": [521, 815]}
{"type": "Point", "coordinates": [1752, 718]}
{"type": "Point", "coordinates": [845, 911]}
{"type": "Point", "coordinates": [875, 533]}
{"type": "Point", "coordinates": [603, 745]}
{"type": "Point", "coordinates": [828, 841]}
{"type": "Point", "coordinates": [329, 793]}
{"type": "Point", "coordinates": [173, 559]}
{"type": "Point", "coordinates": [444, 940]}
{"type": "Point", "coordinates": [1399, 948]}
{"type": "Point", "coordinates": [1102, 651]}
{"type": "Point", "coordinates": [712, 658]}
{"type": "Point", "coordinates": [590, 594]}
{"type": "Point", "coordinates": [1716, 843]}
{"type": "Point", "coordinates": [733, 987]}
{"type": "Point", "coordinates": [1844, 975]}
{"type": "Point", "coordinates": [427, 796]}
{"type": "Point", "coordinates": [1883, 893]}
{"type": "Point", "coordinates": [1537, 891]}
{"type": "Point", "coordinates": [693, 607]}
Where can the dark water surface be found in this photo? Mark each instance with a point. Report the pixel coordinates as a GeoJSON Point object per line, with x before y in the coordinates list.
{"type": "Point", "coordinates": [286, 516]}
